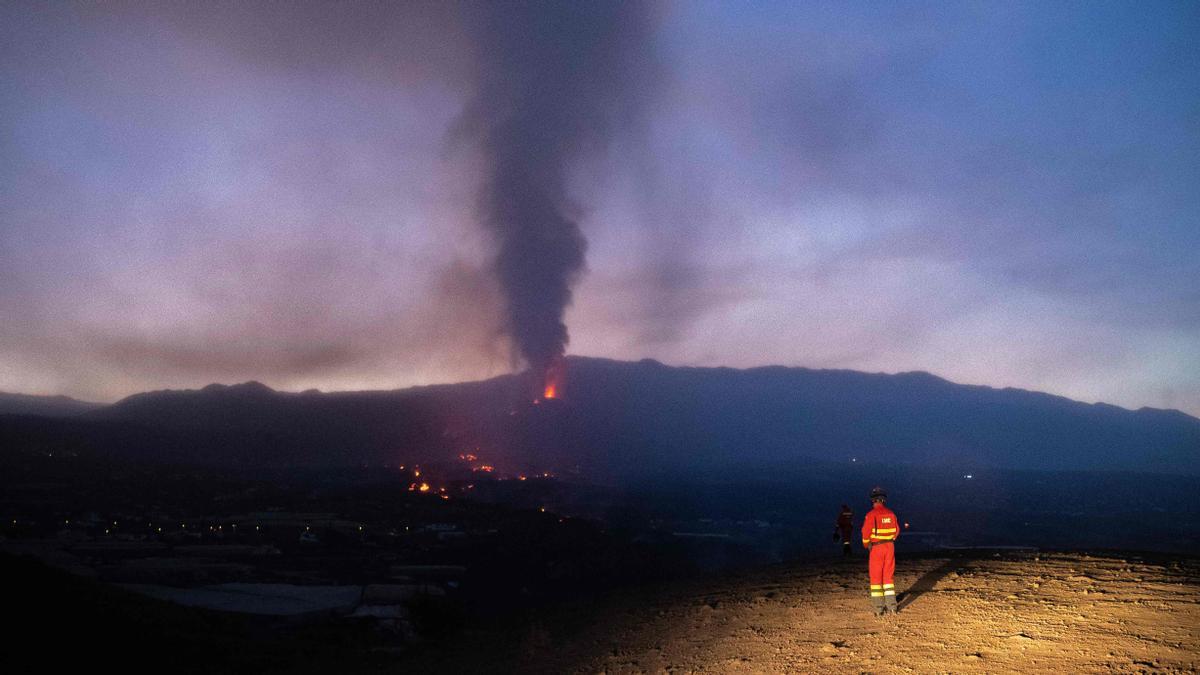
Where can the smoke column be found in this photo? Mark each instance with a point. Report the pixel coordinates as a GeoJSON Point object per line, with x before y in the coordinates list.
{"type": "Point", "coordinates": [554, 80]}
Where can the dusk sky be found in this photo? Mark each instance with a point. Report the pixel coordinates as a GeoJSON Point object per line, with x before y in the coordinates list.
{"type": "Point", "coordinates": [998, 193]}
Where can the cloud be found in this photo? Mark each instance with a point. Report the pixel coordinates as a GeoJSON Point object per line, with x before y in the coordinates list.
{"type": "Point", "coordinates": [998, 194]}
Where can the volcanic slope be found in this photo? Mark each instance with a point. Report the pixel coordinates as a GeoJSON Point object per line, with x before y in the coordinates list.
{"type": "Point", "coordinates": [1010, 612]}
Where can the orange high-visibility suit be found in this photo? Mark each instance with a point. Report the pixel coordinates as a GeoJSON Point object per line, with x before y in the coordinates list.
{"type": "Point", "coordinates": [879, 530]}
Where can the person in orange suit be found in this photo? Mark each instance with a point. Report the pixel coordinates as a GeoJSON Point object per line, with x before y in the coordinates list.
{"type": "Point", "coordinates": [879, 531]}
{"type": "Point", "coordinates": [843, 525]}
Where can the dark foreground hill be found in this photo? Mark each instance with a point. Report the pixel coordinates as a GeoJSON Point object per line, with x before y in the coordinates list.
{"type": "Point", "coordinates": [618, 419]}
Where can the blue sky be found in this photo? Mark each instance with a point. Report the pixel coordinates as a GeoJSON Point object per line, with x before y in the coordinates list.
{"type": "Point", "coordinates": [998, 193]}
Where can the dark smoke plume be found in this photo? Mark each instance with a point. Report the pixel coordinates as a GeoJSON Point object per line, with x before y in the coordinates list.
{"type": "Point", "coordinates": [555, 79]}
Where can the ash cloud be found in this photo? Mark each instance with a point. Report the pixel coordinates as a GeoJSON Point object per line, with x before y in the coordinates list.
{"type": "Point", "coordinates": [263, 191]}
{"type": "Point", "coordinates": [555, 82]}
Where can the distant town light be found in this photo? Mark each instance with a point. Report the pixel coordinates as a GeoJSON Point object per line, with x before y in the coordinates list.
{"type": "Point", "coordinates": [968, 476]}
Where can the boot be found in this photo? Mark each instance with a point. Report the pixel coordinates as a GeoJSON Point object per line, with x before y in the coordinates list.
{"type": "Point", "coordinates": [877, 602]}
{"type": "Point", "coordinates": [889, 601]}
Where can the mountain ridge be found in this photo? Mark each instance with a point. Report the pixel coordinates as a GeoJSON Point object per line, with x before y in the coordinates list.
{"type": "Point", "coordinates": [618, 419]}
{"type": "Point", "coordinates": [622, 418]}
{"type": "Point", "coordinates": [46, 406]}
{"type": "Point", "coordinates": [259, 386]}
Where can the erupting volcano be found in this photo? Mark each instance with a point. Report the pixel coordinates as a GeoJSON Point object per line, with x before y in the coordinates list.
{"type": "Point", "coordinates": [553, 379]}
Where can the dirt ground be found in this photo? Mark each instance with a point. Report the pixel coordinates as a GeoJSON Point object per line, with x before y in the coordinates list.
{"type": "Point", "coordinates": [982, 613]}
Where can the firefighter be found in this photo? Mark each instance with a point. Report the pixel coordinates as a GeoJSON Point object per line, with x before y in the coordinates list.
{"type": "Point", "coordinates": [879, 530]}
{"type": "Point", "coordinates": [843, 525]}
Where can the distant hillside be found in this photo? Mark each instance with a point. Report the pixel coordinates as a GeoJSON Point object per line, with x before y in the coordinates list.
{"type": "Point", "coordinates": [780, 413]}
{"type": "Point", "coordinates": [46, 406]}
{"type": "Point", "coordinates": [620, 419]}
{"type": "Point", "coordinates": [252, 424]}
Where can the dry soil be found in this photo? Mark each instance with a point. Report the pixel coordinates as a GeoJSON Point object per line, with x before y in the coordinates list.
{"type": "Point", "coordinates": [983, 613]}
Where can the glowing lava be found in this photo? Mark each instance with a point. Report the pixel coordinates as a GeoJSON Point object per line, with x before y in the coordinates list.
{"type": "Point", "coordinates": [552, 381]}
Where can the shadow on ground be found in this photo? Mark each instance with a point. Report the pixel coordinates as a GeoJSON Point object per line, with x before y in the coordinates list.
{"type": "Point", "coordinates": [926, 582]}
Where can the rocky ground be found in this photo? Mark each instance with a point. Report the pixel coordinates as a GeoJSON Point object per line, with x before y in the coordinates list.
{"type": "Point", "coordinates": [979, 612]}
